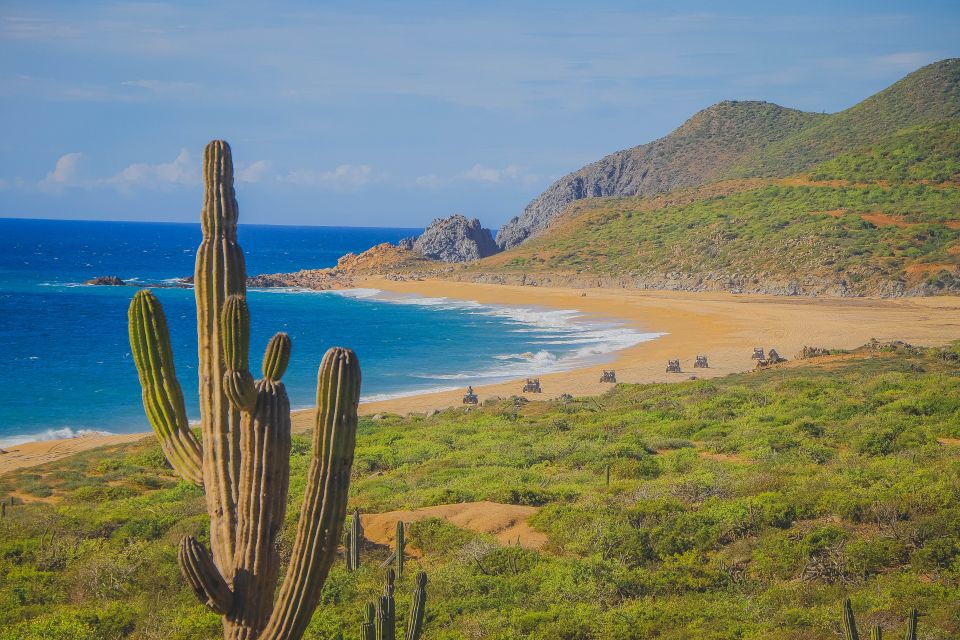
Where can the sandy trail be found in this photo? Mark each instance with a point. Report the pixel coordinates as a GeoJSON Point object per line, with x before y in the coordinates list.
{"type": "Point", "coordinates": [723, 326]}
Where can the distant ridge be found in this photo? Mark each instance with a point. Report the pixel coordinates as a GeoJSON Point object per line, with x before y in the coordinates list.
{"type": "Point", "coordinates": [745, 139]}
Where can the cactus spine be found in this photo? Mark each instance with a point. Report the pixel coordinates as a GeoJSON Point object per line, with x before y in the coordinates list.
{"type": "Point", "coordinates": [401, 543]}
{"type": "Point", "coordinates": [243, 464]}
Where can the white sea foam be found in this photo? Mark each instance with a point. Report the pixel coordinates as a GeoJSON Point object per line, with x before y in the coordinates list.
{"type": "Point", "coordinates": [50, 434]}
{"type": "Point", "coordinates": [599, 339]}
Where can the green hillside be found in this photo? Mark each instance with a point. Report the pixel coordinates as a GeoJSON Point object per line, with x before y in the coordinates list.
{"type": "Point", "coordinates": [826, 239]}
{"type": "Point", "coordinates": [926, 153]}
{"type": "Point", "coordinates": [927, 96]}
{"type": "Point", "coordinates": [743, 507]}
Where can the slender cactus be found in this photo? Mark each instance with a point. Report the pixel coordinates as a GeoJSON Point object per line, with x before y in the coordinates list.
{"type": "Point", "coordinates": [912, 625]}
{"type": "Point", "coordinates": [386, 619]}
{"type": "Point", "coordinates": [243, 464]}
{"type": "Point", "coordinates": [876, 633]}
{"type": "Point", "coordinates": [401, 544]}
{"type": "Point", "coordinates": [418, 607]}
{"type": "Point", "coordinates": [352, 541]}
{"type": "Point", "coordinates": [849, 622]}
{"type": "Point", "coordinates": [368, 628]}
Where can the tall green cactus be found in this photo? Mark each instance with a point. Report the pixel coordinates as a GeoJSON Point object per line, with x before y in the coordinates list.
{"type": "Point", "coordinates": [243, 464]}
{"type": "Point", "coordinates": [368, 628]}
{"type": "Point", "coordinates": [401, 544]}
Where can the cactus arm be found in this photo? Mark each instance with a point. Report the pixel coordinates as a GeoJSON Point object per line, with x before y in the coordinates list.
{"type": "Point", "coordinates": [849, 622]}
{"type": "Point", "coordinates": [238, 383]}
{"type": "Point", "coordinates": [220, 272]}
{"type": "Point", "coordinates": [418, 607]}
{"type": "Point", "coordinates": [325, 501]}
{"type": "Point", "coordinates": [276, 357]}
{"type": "Point", "coordinates": [912, 625]}
{"type": "Point", "coordinates": [161, 393]}
{"type": "Point", "coordinates": [202, 575]}
{"type": "Point", "coordinates": [876, 633]}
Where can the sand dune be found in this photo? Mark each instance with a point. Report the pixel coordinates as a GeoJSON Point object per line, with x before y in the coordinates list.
{"type": "Point", "coordinates": [725, 327]}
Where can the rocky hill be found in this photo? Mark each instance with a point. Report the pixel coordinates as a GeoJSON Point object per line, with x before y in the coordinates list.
{"type": "Point", "coordinates": [743, 139]}
{"type": "Point", "coordinates": [455, 239]}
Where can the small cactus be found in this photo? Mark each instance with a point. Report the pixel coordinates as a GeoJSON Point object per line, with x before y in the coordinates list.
{"type": "Point", "coordinates": [401, 544]}
{"type": "Point", "coordinates": [876, 633]}
{"type": "Point", "coordinates": [380, 619]}
{"type": "Point", "coordinates": [352, 541]}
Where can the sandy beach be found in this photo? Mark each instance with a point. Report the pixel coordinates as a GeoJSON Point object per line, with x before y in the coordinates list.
{"type": "Point", "coordinates": [724, 327]}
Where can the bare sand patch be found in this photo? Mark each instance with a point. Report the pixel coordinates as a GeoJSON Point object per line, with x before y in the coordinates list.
{"type": "Point", "coordinates": [506, 522]}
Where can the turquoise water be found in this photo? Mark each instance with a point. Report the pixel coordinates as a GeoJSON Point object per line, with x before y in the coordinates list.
{"type": "Point", "coordinates": [65, 365]}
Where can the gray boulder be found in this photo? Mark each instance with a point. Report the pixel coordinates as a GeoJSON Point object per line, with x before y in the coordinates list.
{"type": "Point", "coordinates": [455, 239]}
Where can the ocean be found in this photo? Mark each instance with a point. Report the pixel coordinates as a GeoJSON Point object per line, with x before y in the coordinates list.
{"type": "Point", "coordinates": [65, 365]}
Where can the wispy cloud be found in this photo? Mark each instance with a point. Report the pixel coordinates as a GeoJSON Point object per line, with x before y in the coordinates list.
{"type": "Point", "coordinates": [345, 176]}
{"type": "Point", "coordinates": [481, 174]}
{"type": "Point", "coordinates": [255, 172]}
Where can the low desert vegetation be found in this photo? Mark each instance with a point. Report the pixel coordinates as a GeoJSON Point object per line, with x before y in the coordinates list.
{"type": "Point", "coordinates": [748, 506]}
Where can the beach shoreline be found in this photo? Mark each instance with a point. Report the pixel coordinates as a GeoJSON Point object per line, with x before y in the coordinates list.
{"type": "Point", "coordinates": [725, 327]}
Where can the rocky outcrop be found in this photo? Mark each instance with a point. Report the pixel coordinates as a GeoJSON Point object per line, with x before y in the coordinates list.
{"type": "Point", "coordinates": [106, 281]}
{"type": "Point", "coordinates": [455, 239]}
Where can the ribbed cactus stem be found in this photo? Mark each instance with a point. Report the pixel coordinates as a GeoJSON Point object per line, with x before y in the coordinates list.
{"type": "Point", "coordinates": [418, 608]}
{"type": "Point", "coordinates": [368, 628]}
{"type": "Point", "coordinates": [386, 619]}
{"type": "Point", "coordinates": [401, 544]}
{"type": "Point", "coordinates": [912, 623]}
{"type": "Point", "coordinates": [355, 536]}
{"type": "Point", "coordinates": [849, 622]}
{"type": "Point", "coordinates": [237, 381]}
{"type": "Point", "coordinates": [876, 633]}
{"type": "Point", "coordinates": [324, 506]}
{"type": "Point", "coordinates": [276, 357]}
{"type": "Point", "coordinates": [264, 481]}
{"type": "Point", "coordinates": [220, 273]}
{"type": "Point", "coordinates": [160, 389]}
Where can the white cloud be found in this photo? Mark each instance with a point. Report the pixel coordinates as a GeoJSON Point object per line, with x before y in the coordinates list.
{"type": "Point", "coordinates": [66, 173]}
{"type": "Point", "coordinates": [345, 176]}
{"type": "Point", "coordinates": [255, 172]}
{"type": "Point", "coordinates": [163, 87]}
{"type": "Point", "coordinates": [510, 173]}
{"type": "Point", "coordinates": [182, 171]}
{"type": "Point", "coordinates": [429, 181]}
{"type": "Point", "coordinates": [70, 171]}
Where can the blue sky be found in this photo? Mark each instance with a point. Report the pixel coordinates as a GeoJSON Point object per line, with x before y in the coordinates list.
{"type": "Point", "coordinates": [391, 114]}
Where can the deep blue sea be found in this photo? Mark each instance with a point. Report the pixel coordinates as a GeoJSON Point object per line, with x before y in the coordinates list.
{"type": "Point", "coordinates": [65, 365]}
